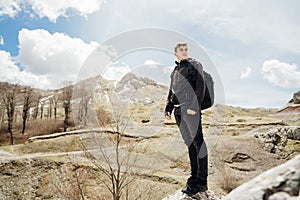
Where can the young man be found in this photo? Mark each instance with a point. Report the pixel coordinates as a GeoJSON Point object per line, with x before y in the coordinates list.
{"type": "Point", "coordinates": [185, 96]}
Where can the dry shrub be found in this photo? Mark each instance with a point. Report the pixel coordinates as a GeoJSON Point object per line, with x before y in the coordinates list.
{"type": "Point", "coordinates": [3, 128]}
{"type": "Point", "coordinates": [43, 127]}
{"type": "Point", "coordinates": [4, 135]}
{"type": "Point", "coordinates": [240, 120]}
{"type": "Point", "coordinates": [229, 182]}
{"type": "Point", "coordinates": [104, 117]}
{"type": "Point", "coordinates": [69, 182]}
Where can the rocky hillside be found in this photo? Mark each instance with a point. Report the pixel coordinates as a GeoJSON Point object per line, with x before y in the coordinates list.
{"type": "Point", "coordinates": [242, 142]}
{"type": "Point", "coordinates": [290, 112]}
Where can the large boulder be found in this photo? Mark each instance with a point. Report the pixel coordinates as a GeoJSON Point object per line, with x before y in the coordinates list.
{"type": "Point", "coordinates": [281, 182]}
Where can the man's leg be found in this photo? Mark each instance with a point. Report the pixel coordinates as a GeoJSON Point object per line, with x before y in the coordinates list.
{"type": "Point", "coordinates": [182, 125]}
{"type": "Point", "coordinates": [191, 186]}
{"type": "Point", "coordinates": [198, 150]}
{"type": "Point", "coordinates": [202, 159]}
{"type": "Point", "coordinates": [193, 160]}
{"type": "Point", "coordinates": [191, 148]}
{"type": "Point", "coordinates": [202, 156]}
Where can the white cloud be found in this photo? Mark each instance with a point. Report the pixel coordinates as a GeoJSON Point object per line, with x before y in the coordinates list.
{"type": "Point", "coordinates": [116, 72]}
{"type": "Point", "coordinates": [246, 73]}
{"type": "Point", "coordinates": [1, 40]}
{"type": "Point", "coordinates": [9, 72]}
{"type": "Point", "coordinates": [281, 74]}
{"type": "Point", "coordinates": [157, 72]}
{"type": "Point", "coordinates": [9, 7]}
{"type": "Point", "coordinates": [51, 9]}
{"type": "Point", "coordinates": [57, 56]}
{"type": "Point", "coordinates": [250, 22]}
{"type": "Point", "coordinates": [56, 8]}
{"type": "Point", "coordinates": [150, 62]}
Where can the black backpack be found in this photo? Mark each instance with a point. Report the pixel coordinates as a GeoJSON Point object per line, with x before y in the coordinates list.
{"type": "Point", "coordinates": [209, 96]}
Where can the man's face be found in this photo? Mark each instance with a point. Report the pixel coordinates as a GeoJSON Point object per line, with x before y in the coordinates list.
{"type": "Point", "coordinates": [182, 51]}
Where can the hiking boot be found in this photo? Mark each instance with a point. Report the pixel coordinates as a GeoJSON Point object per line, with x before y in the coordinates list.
{"type": "Point", "coordinates": [194, 188]}
{"type": "Point", "coordinates": [190, 189]}
{"type": "Point", "coordinates": [191, 186]}
{"type": "Point", "coordinates": [202, 188]}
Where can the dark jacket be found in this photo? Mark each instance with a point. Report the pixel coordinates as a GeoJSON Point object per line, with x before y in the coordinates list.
{"type": "Point", "coordinates": [187, 86]}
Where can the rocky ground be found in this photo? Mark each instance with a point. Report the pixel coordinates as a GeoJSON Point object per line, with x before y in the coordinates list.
{"type": "Point", "coordinates": [239, 149]}
{"type": "Point", "coordinates": [151, 155]}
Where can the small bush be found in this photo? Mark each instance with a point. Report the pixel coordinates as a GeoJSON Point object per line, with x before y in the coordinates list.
{"type": "Point", "coordinates": [229, 182]}
{"type": "Point", "coordinates": [104, 117]}
{"type": "Point", "coordinates": [241, 120]}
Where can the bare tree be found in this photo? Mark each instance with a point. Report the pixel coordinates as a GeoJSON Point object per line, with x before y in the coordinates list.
{"type": "Point", "coordinates": [116, 161]}
{"type": "Point", "coordinates": [28, 100]}
{"type": "Point", "coordinates": [67, 96]}
{"type": "Point", "coordinates": [85, 98]}
{"type": "Point", "coordinates": [114, 165]}
{"type": "Point", "coordinates": [50, 108]}
{"type": "Point", "coordinates": [36, 109]}
{"type": "Point", "coordinates": [9, 100]}
{"type": "Point", "coordinates": [54, 102]}
{"type": "Point", "coordinates": [2, 112]}
{"type": "Point", "coordinates": [42, 109]}
{"type": "Point", "coordinates": [83, 92]}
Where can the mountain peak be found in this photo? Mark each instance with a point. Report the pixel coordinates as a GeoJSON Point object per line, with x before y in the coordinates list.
{"type": "Point", "coordinates": [296, 98]}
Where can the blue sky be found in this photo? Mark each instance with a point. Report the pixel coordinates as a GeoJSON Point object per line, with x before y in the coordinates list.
{"type": "Point", "coordinates": [254, 45]}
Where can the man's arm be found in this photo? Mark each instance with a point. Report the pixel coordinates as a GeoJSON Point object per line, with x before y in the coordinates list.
{"type": "Point", "coordinates": [170, 106]}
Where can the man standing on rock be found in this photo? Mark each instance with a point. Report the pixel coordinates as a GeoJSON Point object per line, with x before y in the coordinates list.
{"type": "Point", "coordinates": [185, 96]}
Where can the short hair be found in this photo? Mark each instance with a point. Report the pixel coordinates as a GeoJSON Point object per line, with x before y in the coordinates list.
{"type": "Point", "coordinates": [179, 44]}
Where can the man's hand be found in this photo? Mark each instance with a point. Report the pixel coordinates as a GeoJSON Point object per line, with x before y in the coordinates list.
{"type": "Point", "coordinates": [191, 112]}
{"type": "Point", "coordinates": [168, 116]}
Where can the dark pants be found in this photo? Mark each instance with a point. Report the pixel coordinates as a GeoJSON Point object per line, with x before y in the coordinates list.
{"type": "Point", "coordinates": [191, 130]}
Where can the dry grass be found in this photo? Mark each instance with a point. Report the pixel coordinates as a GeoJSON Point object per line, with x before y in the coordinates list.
{"type": "Point", "coordinates": [3, 128]}
{"type": "Point", "coordinates": [33, 128]}
{"type": "Point", "coordinates": [104, 117]}
{"type": "Point", "coordinates": [229, 182]}
{"type": "Point", "coordinates": [43, 127]}
{"type": "Point", "coordinates": [70, 182]}
{"type": "Point", "coordinates": [240, 120]}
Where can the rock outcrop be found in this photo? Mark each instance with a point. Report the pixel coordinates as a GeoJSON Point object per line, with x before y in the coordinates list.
{"type": "Point", "coordinates": [276, 138]}
{"type": "Point", "coordinates": [281, 182]}
{"type": "Point", "coordinates": [290, 112]}
{"type": "Point", "coordinates": [296, 98]}
{"type": "Point", "coordinates": [178, 195]}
